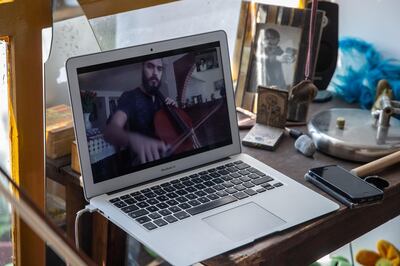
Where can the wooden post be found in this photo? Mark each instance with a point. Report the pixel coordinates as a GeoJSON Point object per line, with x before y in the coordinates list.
{"type": "Point", "coordinates": [23, 22]}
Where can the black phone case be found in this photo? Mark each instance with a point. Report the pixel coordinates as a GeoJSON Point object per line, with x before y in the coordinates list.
{"type": "Point", "coordinates": [331, 192]}
{"type": "Point", "coordinates": [336, 195]}
{"type": "Point", "coordinates": [378, 193]}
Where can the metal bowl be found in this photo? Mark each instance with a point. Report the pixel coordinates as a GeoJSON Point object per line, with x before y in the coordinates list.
{"type": "Point", "coordinates": [358, 140]}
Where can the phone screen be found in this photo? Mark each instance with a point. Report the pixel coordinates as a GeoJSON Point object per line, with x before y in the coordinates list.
{"type": "Point", "coordinates": [344, 182]}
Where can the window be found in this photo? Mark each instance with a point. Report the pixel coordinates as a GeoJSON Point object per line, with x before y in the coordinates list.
{"type": "Point", "coordinates": [5, 211]}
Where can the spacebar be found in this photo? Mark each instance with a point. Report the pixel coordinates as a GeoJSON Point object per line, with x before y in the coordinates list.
{"type": "Point", "coordinates": [211, 205]}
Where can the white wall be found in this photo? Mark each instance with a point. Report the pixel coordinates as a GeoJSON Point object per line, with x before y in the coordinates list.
{"type": "Point", "coordinates": [207, 85]}
{"type": "Point", "coordinates": [375, 21]}
{"type": "Point", "coordinates": [74, 36]}
{"type": "Point", "coordinates": [69, 38]}
{"type": "Point", "coordinates": [177, 19]}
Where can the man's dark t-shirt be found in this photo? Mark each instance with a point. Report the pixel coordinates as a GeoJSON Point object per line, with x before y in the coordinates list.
{"type": "Point", "coordinates": [140, 110]}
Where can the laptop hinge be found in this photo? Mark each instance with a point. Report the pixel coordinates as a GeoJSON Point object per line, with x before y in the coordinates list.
{"type": "Point", "coordinates": [165, 176]}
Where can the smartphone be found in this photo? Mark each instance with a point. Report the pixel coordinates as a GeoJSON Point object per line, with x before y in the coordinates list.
{"type": "Point", "coordinates": [343, 185]}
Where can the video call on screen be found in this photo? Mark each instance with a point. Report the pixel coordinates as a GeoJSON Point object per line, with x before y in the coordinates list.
{"type": "Point", "coordinates": [145, 111]}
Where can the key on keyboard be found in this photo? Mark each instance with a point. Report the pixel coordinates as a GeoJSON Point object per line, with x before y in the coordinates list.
{"type": "Point", "coordinates": [211, 205]}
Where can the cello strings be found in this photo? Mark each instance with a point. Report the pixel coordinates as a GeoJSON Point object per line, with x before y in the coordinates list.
{"type": "Point", "coordinates": [190, 132]}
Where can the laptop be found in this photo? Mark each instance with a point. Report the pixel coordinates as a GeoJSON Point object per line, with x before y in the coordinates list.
{"type": "Point", "coordinates": [160, 151]}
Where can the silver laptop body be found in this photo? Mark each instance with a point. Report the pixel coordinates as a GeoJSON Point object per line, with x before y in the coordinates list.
{"type": "Point", "coordinates": [195, 202]}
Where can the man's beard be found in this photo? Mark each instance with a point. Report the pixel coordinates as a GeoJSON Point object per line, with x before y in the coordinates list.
{"type": "Point", "coordinates": [149, 88]}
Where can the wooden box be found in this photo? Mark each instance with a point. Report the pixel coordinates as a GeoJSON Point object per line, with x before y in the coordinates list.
{"type": "Point", "coordinates": [59, 131]}
{"type": "Point", "coordinates": [75, 158]}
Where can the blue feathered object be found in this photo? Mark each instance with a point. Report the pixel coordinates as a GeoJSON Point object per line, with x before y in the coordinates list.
{"type": "Point", "coordinates": [359, 69]}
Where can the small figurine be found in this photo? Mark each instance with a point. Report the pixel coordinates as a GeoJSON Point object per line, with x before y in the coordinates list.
{"type": "Point", "coordinates": [300, 97]}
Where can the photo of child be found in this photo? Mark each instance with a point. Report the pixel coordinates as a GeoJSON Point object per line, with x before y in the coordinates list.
{"type": "Point", "coordinates": [275, 58]}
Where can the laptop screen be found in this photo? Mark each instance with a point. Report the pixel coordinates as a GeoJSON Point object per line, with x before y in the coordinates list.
{"type": "Point", "coordinates": [145, 111]}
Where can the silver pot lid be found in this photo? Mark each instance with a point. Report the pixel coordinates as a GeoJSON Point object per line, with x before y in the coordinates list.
{"type": "Point", "coordinates": [358, 140]}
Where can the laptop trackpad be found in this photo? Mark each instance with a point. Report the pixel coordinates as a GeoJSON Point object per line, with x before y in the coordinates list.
{"type": "Point", "coordinates": [244, 221]}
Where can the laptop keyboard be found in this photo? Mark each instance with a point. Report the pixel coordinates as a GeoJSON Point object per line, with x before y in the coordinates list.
{"type": "Point", "coordinates": [179, 199]}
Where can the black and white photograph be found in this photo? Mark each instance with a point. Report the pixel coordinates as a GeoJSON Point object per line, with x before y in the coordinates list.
{"type": "Point", "coordinates": [273, 50]}
{"type": "Point", "coordinates": [275, 56]}
{"type": "Point", "coordinates": [206, 61]}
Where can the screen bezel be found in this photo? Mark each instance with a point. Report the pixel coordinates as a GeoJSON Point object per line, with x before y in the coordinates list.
{"type": "Point", "coordinates": [92, 189]}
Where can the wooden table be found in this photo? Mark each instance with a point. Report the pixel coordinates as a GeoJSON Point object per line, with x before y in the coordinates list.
{"type": "Point", "coordinates": [300, 245]}
{"type": "Point", "coordinates": [310, 241]}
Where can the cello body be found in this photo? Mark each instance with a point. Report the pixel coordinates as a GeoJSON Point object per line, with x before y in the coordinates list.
{"type": "Point", "coordinates": [169, 131]}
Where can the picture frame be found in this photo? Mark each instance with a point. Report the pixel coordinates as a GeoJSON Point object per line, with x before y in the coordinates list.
{"type": "Point", "coordinates": [206, 61]}
{"type": "Point", "coordinates": [288, 54]}
{"type": "Point", "coordinates": [272, 106]}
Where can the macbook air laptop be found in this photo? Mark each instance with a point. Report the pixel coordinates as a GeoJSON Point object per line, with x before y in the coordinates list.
{"type": "Point", "coordinates": [160, 151]}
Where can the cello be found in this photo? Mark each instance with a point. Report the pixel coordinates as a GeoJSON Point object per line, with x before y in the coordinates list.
{"type": "Point", "coordinates": [174, 127]}
{"type": "Point", "coordinates": [171, 124]}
